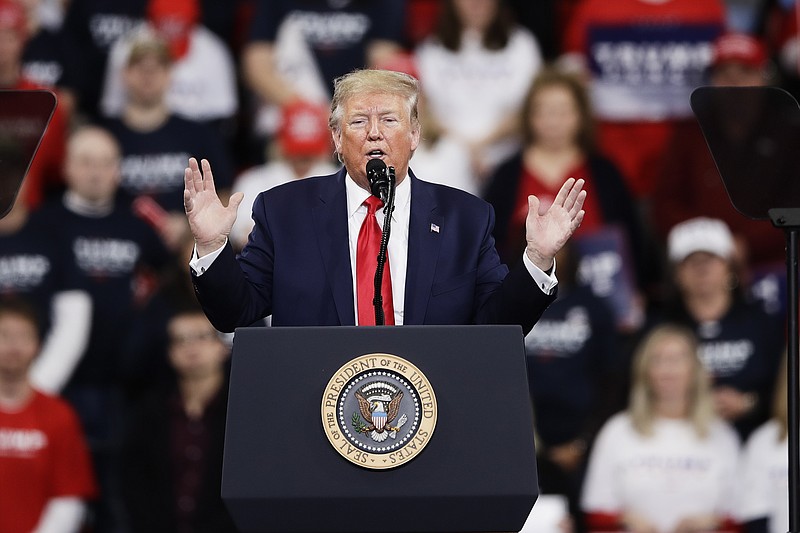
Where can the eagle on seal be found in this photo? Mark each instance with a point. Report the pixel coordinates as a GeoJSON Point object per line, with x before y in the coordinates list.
{"type": "Point", "coordinates": [375, 410]}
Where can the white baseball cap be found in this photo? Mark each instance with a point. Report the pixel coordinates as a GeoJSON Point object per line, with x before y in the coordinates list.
{"type": "Point", "coordinates": [699, 234]}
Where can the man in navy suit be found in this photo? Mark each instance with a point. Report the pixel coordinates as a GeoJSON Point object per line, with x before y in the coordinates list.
{"type": "Point", "coordinates": [299, 261]}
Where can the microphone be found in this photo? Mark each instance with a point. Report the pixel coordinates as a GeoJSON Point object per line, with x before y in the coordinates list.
{"type": "Point", "coordinates": [378, 179]}
{"type": "Point", "coordinates": [382, 183]}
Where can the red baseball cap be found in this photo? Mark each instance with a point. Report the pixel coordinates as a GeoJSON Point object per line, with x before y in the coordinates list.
{"type": "Point", "coordinates": [174, 21]}
{"type": "Point", "coordinates": [303, 130]}
{"type": "Point", "coordinates": [738, 48]}
{"type": "Point", "coordinates": [187, 11]}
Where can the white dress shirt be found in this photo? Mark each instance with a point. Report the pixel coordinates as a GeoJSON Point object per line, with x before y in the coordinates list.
{"type": "Point", "coordinates": [398, 238]}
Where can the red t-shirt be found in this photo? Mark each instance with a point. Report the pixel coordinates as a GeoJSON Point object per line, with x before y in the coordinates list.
{"type": "Point", "coordinates": [43, 455]}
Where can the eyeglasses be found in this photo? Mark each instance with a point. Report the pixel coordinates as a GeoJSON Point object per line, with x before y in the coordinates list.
{"type": "Point", "coordinates": [190, 338]}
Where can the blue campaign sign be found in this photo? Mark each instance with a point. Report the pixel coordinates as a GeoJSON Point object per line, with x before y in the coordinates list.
{"type": "Point", "coordinates": [605, 265]}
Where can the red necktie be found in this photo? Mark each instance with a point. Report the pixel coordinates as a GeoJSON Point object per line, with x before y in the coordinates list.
{"type": "Point", "coordinates": [369, 243]}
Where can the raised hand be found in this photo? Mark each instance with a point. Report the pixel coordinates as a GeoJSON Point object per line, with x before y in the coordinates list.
{"type": "Point", "coordinates": [209, 221]}
{"type": "Point", "coordinates": [546, 234]}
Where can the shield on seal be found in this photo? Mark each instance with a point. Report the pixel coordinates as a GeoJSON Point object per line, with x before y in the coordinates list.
{"type": "Point", "coordinates": [378, 419]}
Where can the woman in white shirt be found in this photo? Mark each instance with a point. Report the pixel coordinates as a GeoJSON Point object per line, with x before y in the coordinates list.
{"type": "Point", "coordinates": [667, 464]}
{"type": "Point", "coordinates": [475, 72]}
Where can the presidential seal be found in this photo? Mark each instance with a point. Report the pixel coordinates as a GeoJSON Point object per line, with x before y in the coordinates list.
{"type": "Point", "coordinates": [379, 411]}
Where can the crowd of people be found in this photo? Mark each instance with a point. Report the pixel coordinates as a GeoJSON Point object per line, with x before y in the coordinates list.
{"type": "Point", "coordinates": [657, 375]}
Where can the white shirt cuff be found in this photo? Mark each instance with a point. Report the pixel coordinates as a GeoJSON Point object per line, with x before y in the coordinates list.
{"type": "Point", "coordinates": [199, 265]}
{"type": "Point", "coordinates": [546, 282]}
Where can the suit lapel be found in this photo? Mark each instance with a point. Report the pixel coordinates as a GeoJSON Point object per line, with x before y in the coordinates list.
{"type": "Point", "coordinates": [330, 224]}
{"type": "Point", "coordinates": [424, 239]}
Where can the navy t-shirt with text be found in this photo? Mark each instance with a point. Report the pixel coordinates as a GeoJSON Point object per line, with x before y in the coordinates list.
{"type": "Point", "coordinates": [153, 162]}
{"type": "Point", "coordinates": [336, 32]}
{"type": "Point", "coordinates": [117, 257]}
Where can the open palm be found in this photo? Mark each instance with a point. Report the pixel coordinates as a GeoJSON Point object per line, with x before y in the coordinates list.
{"type": "Point", "coordinates": [209, 221]}
{"type": "Point", "coordinates": [546, 234]}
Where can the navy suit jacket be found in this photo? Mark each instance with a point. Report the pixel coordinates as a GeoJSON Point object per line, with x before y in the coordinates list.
{"type": "Point", "coordinates": [296, 264]}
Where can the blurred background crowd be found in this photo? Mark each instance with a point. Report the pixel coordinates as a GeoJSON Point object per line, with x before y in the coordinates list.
{"type": "Point", "coordinates": [657, 376]}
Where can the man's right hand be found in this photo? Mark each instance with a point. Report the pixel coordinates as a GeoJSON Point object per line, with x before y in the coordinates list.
{"type": "Point", "coordinates": [209, 221]}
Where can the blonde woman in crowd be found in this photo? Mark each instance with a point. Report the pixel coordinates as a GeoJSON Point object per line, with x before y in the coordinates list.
{"type": "Point", "coordinates": [667, 464]}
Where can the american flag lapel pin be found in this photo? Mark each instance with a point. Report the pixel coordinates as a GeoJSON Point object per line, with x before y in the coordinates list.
{"type": "Point", "coordinates": [434, 228]}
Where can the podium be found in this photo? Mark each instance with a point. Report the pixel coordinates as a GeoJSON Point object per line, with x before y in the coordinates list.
{"type": "Point", "coordinates": [464, 460]}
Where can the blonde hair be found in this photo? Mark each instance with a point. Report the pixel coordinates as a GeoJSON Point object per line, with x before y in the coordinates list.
{"type": "Point", "coordinates": [146, 44]}
{"type": "Point", "coordinates": [371, 81]}
{"type": "Point", "coordinates": [642, 401]}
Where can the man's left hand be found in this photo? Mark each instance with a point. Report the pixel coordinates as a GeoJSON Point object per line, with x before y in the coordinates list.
{"type": "Point", "coordinates": [547, 233]}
